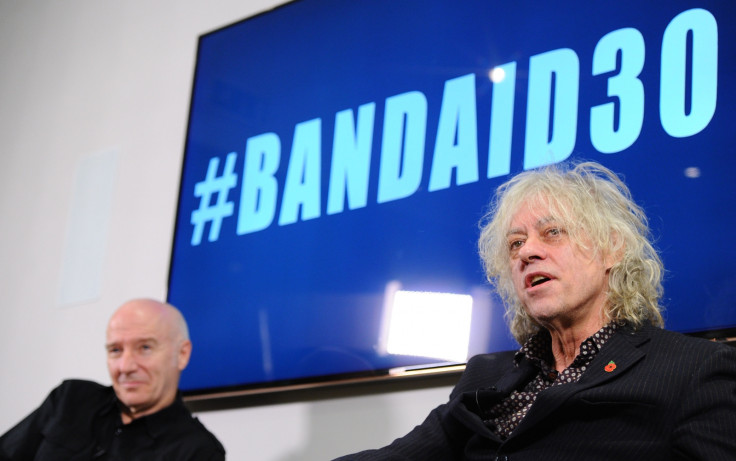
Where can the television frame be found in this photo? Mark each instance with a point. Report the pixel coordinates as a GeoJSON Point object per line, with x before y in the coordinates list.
{"type": "Point", "coordinates": [426, 77]}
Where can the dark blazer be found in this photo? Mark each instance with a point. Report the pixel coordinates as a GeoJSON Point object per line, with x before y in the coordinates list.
{"type": "Point", "coordinates": [80, 421]}
{"type": "Point", "coordinates": [647, 395]}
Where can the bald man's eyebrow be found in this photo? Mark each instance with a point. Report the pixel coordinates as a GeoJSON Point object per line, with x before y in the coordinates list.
{"type": "Point", "coordinates": [151, 340]}
{"type": "Point", "coordinates": [137, 341]}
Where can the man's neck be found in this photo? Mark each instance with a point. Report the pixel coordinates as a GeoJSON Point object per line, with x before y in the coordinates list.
{"type": "Point", "coordinates": [129, 414]}
{"type": "Point", "coordinates": [566, 343]}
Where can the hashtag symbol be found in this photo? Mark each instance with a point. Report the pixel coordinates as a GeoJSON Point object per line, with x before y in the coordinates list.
{"type": "Point", "coordinates": [222, 208]}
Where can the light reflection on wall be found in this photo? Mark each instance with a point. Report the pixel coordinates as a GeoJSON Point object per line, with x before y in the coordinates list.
{"type": "Point", "coordinates": [426, 324]}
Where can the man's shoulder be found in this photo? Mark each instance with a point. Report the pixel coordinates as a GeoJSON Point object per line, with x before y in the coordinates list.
{"type": "Point", "coordinates": [208, 436]}
{"type": "Point", "coordinates": [82, 384]}
{"type": "Point", "coordinates": [196, 438]}
{"type": "Point", "coordinates": [177, 423]}
{"type": "Point", "coordinates": [72, 389]}
{"type": "Point", "coordinates": [494, 359]}
{"type": "Point", "coordinates": [667, 348]}
{"type": "Point", "coordinates": [661, 337]}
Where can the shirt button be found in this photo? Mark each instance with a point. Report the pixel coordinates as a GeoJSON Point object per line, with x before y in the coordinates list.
{"type": "Point", "coordinates": [118, 431]}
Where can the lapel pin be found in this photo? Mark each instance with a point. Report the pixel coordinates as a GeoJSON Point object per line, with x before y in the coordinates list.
{"type": "Point", "coordinates": [610, 367]}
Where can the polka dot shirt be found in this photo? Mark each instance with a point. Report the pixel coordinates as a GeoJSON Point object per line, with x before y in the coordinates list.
{"type": "Point", "coordinates": [506, 415]}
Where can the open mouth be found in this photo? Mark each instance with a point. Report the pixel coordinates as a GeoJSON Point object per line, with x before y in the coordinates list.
{"type": "Point", "coordinates": [538, 280]}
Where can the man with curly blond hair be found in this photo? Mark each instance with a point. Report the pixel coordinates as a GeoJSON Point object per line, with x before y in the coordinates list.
{"type": "Point", "coordinates": [597, 376]}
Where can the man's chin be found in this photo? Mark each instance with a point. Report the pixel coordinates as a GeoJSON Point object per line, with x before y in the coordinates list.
{"type": "Point", "coordinates": [130, 395]}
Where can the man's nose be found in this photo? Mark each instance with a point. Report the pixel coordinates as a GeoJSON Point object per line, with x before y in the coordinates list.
{"type": "Point", "coordinates": [127, 362]}
{"type": "Point", "coordinates": [532, 249]}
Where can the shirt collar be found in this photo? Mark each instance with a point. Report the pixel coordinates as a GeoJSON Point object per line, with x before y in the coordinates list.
{"type": "Point", "coordinates": [538, 348]}
{"type": "Point", "coordinates": [161, 421]}
{"type": "Point", "coordinates": [156, 423]}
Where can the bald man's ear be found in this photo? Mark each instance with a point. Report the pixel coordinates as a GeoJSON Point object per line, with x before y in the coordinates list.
{"type": "Point", "coordinates": [185, 351]}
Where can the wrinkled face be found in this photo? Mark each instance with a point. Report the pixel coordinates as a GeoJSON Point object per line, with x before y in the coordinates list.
{"type": "Point", "coordinates": [559, 284]}
{"type": "Point", "coordinates": [145, 357]}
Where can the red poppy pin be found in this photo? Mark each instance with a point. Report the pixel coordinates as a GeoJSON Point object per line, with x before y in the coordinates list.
{"type": "Point", "coordinates": [610, 367]}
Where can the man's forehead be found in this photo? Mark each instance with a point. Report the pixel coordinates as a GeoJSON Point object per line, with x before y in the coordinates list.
{"type": "Point", "coordinates": [131, 331]}
{"type": "Point", "coordinates": [115, 339]}
{"type": "Point", "coordinates": [137, 327]}
{"type": "Point", "coordinates": [534, 214]}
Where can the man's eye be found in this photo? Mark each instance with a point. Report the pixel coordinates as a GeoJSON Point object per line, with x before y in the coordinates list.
{"type": "Point", "coordinates": [516, 244]}
{"type": "Point", "coordinates": [554, 232]}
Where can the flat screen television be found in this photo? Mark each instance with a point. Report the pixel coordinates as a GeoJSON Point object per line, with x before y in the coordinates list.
{"type": "Point", "coordinates": [340, 154]}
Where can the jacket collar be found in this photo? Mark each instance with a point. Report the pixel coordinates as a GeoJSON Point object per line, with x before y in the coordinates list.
{"type": "Point", "coordinates": [154, 424]}
{"type": "Point", "coordinates": [623, 351]}
{"type": "Point", "coordinates": [473, 407]}
{"type": "Point", "coordinates": [162, 421]}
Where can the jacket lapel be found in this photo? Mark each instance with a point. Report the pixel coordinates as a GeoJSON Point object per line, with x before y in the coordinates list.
{"type": "Point", "coordinates": [484, 399]}
{"type": "Point", "coordinates": [473, 407]}
{"type": "Point", "coordinates": [622, 352]}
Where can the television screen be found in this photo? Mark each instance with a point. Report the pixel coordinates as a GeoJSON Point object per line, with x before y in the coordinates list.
{"type": "Point", "coordinates": [340, 154]}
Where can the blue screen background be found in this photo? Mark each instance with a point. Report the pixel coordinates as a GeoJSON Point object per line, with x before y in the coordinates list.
{"type": "Point", "coordinates": [305, 300]}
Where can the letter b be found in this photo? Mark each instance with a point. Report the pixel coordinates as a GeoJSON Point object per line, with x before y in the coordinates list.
{"type": "Point", "coordinates": [259, 186]}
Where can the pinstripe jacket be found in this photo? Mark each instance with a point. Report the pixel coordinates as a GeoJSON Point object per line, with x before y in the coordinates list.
{"type": "Point", "coordinates": [668, 397]}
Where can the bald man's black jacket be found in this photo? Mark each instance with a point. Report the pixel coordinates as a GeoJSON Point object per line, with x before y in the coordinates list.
{"type": "Point", "coordinates": [80, 421]}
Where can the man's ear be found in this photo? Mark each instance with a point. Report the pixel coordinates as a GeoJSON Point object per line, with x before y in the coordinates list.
{"type": "Point", "coordinates": [616, 251]}
{"type": "Point", "coordinates": [612, 259]}
{"type": "Point", "coordinates": [185, 351]}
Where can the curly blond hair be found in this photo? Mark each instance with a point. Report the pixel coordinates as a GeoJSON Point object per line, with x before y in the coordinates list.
{"type": "Point", "coordinates": [596, 209]}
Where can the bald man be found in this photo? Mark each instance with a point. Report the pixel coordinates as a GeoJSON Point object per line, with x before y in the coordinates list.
{"type": "Point", "coordinates": [141, 416]}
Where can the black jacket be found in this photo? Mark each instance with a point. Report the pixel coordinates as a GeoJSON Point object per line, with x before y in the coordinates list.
{"type": "Point", "coordinates": [80, 420]}
{"type": "Point", "coordinates": [665, 397]}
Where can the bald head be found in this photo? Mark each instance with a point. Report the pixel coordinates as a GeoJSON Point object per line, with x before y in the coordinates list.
{"type": "Point", "coordinates": [166, 316]}
{"type": "Point", "coordinates": [147, 348]}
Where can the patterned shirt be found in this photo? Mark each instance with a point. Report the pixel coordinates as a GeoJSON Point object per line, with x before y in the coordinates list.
{"type": "Point", "coordinates": [507, 414]}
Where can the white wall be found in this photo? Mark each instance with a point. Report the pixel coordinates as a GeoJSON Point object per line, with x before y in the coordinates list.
{"type": "Point", "coordinates": [80, 77]}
